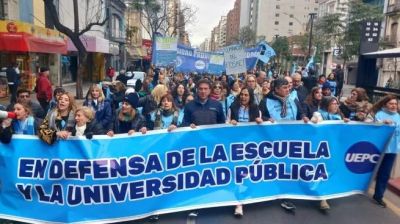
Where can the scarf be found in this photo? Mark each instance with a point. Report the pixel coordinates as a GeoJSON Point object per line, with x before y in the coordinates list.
{"type": "Point", "coordinates": [26, 127]}
{"type": "Point", "coordinates": [96, 106]}
{"type": "Point", "coordinates": [54, 115]}
{"type": "Point", "coordinates": [165, 113]}
{"type": "Point", "coordinates": [283, 101]}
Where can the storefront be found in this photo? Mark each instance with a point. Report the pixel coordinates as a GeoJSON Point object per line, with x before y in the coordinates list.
{"type": "Point", "coordinates": [97, 48]}
{"type": "Point", "coordinates": [31, 47]}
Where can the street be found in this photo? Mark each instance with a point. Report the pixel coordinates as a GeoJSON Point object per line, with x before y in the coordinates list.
{"type": "Point", "coordinates": [353, 209]}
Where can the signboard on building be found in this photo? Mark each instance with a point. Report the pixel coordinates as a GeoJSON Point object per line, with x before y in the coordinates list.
{"type": "Point", "coordinates": [370, 36]}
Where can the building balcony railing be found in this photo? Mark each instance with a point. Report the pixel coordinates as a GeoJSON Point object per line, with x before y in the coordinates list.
{"type": "Point", "coordinates": [394, 7]}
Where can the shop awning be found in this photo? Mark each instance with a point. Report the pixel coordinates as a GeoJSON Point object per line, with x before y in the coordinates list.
{"type": "Point", "coordinates": [389, 53]}
{"type": "Point", "coordinates": [92, 44]}
{"type": "Point", "coordinates": [16, 36]}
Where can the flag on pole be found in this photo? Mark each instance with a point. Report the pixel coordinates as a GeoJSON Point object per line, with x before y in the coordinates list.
{"type": "Point", "coordinates": [266, 52]}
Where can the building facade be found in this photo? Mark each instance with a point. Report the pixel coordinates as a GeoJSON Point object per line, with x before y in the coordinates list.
{"type": "Point", "coordinates": [233, 24]}
{"type": "Point", "coordinates": [116, 34]}
{"type": "Point", "coordinates": [24, 39]}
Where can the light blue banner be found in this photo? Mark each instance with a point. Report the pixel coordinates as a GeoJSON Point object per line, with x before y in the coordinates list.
{"type": "Point", "coordinates": [130, 177]}
{"type": "Point", "coordinates": [165, 49]}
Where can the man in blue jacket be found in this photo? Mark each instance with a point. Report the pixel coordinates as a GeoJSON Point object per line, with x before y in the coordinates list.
{"type": "Point", "coordinates": [202, 110]}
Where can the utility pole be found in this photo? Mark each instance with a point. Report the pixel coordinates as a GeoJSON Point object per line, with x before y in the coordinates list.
{"type": "Point", "coordinates": [312, 15]}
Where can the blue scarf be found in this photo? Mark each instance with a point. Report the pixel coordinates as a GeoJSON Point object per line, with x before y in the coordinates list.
{"type": "Point", "coordinates": [26, 127]}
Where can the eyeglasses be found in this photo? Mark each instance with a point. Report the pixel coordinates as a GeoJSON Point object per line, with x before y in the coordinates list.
{"type": "Point", "coordinates": [217, 87]}
{"type": "Point", "coordinates": [23, 96]}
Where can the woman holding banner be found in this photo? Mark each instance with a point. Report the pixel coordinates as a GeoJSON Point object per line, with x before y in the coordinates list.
{"type": "Point", "coordinates": [167, 115]}
{"type": "Point", "coordinates": [243, 109]}
{"type": "Point", "coordinates": [329, 110]}
{"type": "Point", "coordinates": [24, 123]}
{"type": "Point", "coordinates": [86, 124]}
{"type": "Point", "coordinates": [127, 119]}
{"type": "Point", "coordinates": [60, 121]}
{"type": "Point", "coordinates": [386, 111]}
{"type": "Point", "coordinates": [313, 101]}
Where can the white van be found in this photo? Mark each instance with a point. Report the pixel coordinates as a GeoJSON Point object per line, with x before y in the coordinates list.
{"type": "Point", "coordinates": [134, 76]}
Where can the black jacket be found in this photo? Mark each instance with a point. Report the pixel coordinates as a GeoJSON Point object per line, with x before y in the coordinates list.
{"type": "Point", "coordinates": [5, 135]}
{"type": "Point", "coordinates": [92, 128]}
{"type": "Point", "coordinates": [254, 112]}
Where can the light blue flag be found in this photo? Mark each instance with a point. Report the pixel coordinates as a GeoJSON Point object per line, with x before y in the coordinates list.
{"type": "Point", "coordinates": [310, 64]}
{"type": "Point", "coordinates": [266, 52]}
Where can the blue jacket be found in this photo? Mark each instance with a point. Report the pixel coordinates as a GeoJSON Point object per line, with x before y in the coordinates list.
{"type": "Point", "coordinates": [103, 110]}
{"type": "Point", "coordinates": [381, 115]}
{"type": "Point", "coordinates": [202, 114]}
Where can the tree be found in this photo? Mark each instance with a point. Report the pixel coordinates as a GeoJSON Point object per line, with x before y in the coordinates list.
{"type": "Point", "coordinates": [74, 34]}
{"type": "Point", "coordinates": [343, 29]}
{"type": "Point", "coordinates": [247, 36]}
{"type": "Point", "coordinates": [282, 51]}
{"type": "Point", "coordinates": [159, 16]}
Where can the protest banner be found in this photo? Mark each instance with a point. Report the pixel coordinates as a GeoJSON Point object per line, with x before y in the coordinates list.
{"type": "Point", "coordinates": [216, 64]}
{"type": "Point", "coordinates": [235, 59]}
{"type": "Point", "coordinates": [130, 177]}
{"type": "Point", "coordinates": [190, 60]}
{"type": "Point", "coordinates": [165, 51]}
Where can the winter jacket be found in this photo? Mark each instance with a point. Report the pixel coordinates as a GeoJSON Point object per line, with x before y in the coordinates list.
{"type": "Point", "coordinates": [210, 112]}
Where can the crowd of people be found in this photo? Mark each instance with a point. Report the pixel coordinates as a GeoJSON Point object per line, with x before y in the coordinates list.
{"type": "Point", "coordinates": [167, 101]}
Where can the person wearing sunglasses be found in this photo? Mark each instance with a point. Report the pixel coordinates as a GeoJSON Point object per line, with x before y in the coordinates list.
{"type": "Point", "coordinates": [24, 97]}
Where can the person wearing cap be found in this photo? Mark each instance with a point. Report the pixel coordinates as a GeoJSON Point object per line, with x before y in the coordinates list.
{"type": "Point", "coordinates": [326, 89]}
{"type": "Point", "coordinates": [44, 93]}
{"type": "Point", "coordinates": [127, 119]}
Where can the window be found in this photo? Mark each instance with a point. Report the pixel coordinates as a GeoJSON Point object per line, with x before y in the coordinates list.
{"type": "Point", "coordinates": [290, 23]}
{"type": "Point", "coordinates": [276, 14]}
{"type": "Point", "coordinates": [291, 16]}
{"type": "Point", "coordinates": [276, 22]}
{"type": "Point", "coordinates": [278, 6]}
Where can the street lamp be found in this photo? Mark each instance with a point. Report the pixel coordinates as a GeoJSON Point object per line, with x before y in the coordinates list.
{"type": "Point", "coordinates": [312, 15]}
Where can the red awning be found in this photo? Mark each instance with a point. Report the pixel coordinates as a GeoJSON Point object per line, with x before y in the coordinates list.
{"type": "Point", "coordinates": [24, 42]}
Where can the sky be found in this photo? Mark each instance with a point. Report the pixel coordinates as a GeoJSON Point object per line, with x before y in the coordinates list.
{"type": "Point", "coordinates": [208, 15]}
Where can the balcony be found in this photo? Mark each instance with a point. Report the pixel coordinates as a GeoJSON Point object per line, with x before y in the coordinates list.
{"type": "Point", "coordinates": [393, 8]}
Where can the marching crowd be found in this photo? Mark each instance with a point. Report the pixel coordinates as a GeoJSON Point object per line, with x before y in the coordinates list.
{"type": "Point", "coordinates": [166, 101]}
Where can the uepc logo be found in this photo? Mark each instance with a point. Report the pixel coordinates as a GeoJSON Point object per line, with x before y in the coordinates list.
{"type": "Point", "coordinates": [362, 157]}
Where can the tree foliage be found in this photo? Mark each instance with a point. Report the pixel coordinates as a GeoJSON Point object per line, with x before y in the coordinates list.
{"type": "Point", "coordinates": [247, 36]}
{"type": "Point", "coordinates": [343, 29]}
{"type": "Point", "coordinates": [156, 16]}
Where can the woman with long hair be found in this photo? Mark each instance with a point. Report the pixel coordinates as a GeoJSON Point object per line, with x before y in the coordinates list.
{"type": "Point", "coordinates": [150, 103]}
{"type": "Point", "coordinates": [60, 121]}
{"type": "Point", "coordinates": [386, 111]}
{"type": "Point", "coordinates": [179, 94]}
{"type": "Point", "coordinates": [166, 116]}
{"type": "Point", "coordinates": [24, 123]}
{"type": "Point", "coordinates": [357, 106]}
{"type": "Point", "coordinates": [313, 101]}
{"type": "Point", "coordinates": [97, 102]}
{"type": "Point", "coordinates": [243, 109]}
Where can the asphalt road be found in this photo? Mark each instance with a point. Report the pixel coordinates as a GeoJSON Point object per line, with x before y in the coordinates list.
{"type": "Point", "coordinates": [350, 210]}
